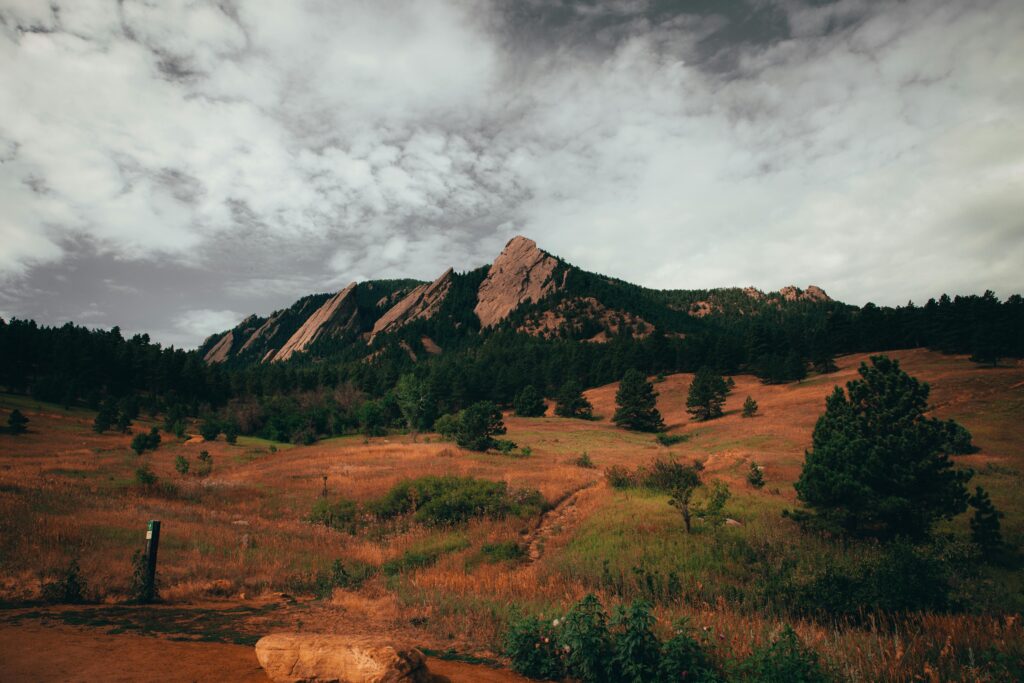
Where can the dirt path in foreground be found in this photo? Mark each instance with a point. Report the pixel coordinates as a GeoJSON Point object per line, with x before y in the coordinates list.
{"type": "Point", "coordinates": [33, 652]}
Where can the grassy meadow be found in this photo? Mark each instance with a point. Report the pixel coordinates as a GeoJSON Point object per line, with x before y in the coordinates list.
{"type": "Point", "coordinates": [241, 533]}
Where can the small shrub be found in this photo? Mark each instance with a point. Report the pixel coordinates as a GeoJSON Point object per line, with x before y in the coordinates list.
{"type": "Point", "coordinates": [525, 452]}
{"type": "Point", "coordinates": [181, 464]}
{"type": "Point", "coordinates": [637, 656]}
{"type": "Point", "coordinates": [145, 477]}
{"type": "Point", "coordinates": [755, 477]}
{"type": "Point", "coordinates": [209, 429]}
{"type": "Point", "coordinates": [533, 649]}
{"type": "Point", "coordinates": [584, 461]}
{"type": "Point", "coordinates": [958, 439]}
{"type": "Point", "coordinates": [749, 407]}
{"type": "Point", "coordinates": [684, 659]}
{"type": "Point", "coordinates": [205, 465]}
{"type": "Point", "coordinates": [142, 590]}
{"type": "Point", "coordinates": [504, 551]}
{"type": "Point", "coordinates": [447, 425]}
{"type": "Point", "coordinates": [619, 477]}
{"type": "Point", "coordinates": [231, 432]}
{"type": "Point", "coordinates": [146, 442]}
{"type": "Point", "coordinates": [670, 439]}
{"type": "Point", "coordinates": [17, 423]}
{"type": "Point", "coordinates": [504, 446]}
{"type": "Point", "coordinates": [69, 589]}
{"type": "Point", "coordinates": [785, 660]}
{"type": "Point", "coordinates": [454, 500]}
{"type": "Point", "coordinates": [587, 641]}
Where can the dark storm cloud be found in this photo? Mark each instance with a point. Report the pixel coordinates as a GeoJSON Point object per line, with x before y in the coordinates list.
{"type": "Point", "coordinates": [173, 166]}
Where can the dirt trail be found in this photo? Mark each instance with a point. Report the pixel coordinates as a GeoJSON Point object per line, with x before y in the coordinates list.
{"type": "Point", "coordinates": [33, 652]}
{"type": "Point", "coordinates": [565, 513]}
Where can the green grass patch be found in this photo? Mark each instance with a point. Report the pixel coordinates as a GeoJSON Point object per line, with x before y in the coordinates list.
{"type": "Point", "coordinates": [425, 554]}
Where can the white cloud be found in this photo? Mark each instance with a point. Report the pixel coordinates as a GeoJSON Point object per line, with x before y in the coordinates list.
{"type": "Point", "coordinates": [877, 151]}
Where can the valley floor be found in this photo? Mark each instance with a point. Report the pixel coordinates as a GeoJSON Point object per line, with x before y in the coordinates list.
{"type": "Point", "coordinates": [239, 537]}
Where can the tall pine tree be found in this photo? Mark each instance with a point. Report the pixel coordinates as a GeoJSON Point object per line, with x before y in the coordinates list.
{"type": "Point", "coordinates": [637, 404]}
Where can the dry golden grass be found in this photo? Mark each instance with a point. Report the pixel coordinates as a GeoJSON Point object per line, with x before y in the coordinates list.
{"type": "Point", "coordinates": [68, 493]}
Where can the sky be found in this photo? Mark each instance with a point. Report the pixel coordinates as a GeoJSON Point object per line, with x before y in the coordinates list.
{"type": "Point", "coordinates": [170, 167]}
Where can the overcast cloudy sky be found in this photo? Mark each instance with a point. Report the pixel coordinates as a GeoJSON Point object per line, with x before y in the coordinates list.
{"type": "Point", "coordinates": [172, 166]}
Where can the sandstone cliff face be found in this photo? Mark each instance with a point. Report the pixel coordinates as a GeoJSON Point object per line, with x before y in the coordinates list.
{"type": "Point", "coordinates": [812, 293]}
{"type": "Point", "coordinates": [572, 314]}
{"type": "Point", "coordinates": [219, 352]}
{"type": "Point", "coordinates": [521, 273]}
{"type": "Point", "coordinates": [422, 302]}
{"type": "Point", "coordinates": [340, 311]}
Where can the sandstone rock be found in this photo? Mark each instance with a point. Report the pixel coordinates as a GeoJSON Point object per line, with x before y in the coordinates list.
{"type": "Point", "coordinates": [422, 302]}
{"type": "Point", "coordinates": [521, 273]}
{"type": "Point", "coordinates": [218, 353]}
{"type": "Point", "coordinates": [312, 658]}
{"type": "Point", "coordinates": [729, 521]}
{"type": "Point", "coordinates": [340, 309]}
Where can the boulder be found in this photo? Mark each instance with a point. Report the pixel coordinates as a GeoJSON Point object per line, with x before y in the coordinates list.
{"type": "Point", "coordinates": [320, 658]}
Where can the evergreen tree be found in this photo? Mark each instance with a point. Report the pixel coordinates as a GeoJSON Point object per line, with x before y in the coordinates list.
{"type": "Point", "coordinates": [707, 395]}
{"type": "Point", "coordinates": [16, 422]}
{"type": "Point", "coordinates": [372, 419]}
{"type": "Point", "coordinates": [478, 424]}
{"type": "Point", "coordinates": [529, 403]}
{"type": "Point", "coordinates": [637, 404]}
{"type": "Point", "coordinates": [985, 531]}
{"type": "Point", "coordinates": [877, 465]}
{"type": "Point", "coordinates": [104, 418]}
{"type": "Point", "coordinates": [749, 407]}
{"type": "Point", "coordinates": [124, 422]}
{"type": "Point", "coordinates": [571, 402]}
{"type": "Point", "coordinates": [209, 429]}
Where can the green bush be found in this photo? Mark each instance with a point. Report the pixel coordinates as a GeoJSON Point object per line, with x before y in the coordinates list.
{"type": "Point", "coordinates": [504, 551]}
{"type": "Point", "coordinates": [181, 464]}
{"type": "Point", "coordinates": [532, 647]}
{"type": "Point", "coordinates": [584, 461]}
{"type": "Point", "coordinates": [341, 515]}
{"type": "Point", "coordinates": [504, 446]}
{"type": "Point", "coordinates": [454, 500]}
{"type": "Point", "coordinates": [145, 477]}
{"type": "Point", "coordinates": [478, 425]}
{"type": "Point", "coordinates": [205, 465]}
{"type": "Point", "coordinates": [670, 439]}
{"type": "Point", "coordinates": [584, 634]}
{"type": "Point", "coordinates": [684, 659]}
{"type": "Point", "coordinates": [785, 660]}
{"type": "Point", "coordinates": [958, 439]}
{"type": "Point", "coordinates": [209, 429]}
{"type": "Point", "coordinates": [637, 656]}
{"type": "Point", "coordinates": [146, 442]}
{"type": "Point", "coordinates": [620, 477]}
{"type": "Point", "coordinates": [447, 425]}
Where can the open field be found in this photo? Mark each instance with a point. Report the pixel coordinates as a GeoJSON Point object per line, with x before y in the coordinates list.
{"type": "Point", "coordinates": [239, 537]}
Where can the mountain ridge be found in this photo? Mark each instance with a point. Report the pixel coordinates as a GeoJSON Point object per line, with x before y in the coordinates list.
{"type": "Point", "coordinates": [525, 288]}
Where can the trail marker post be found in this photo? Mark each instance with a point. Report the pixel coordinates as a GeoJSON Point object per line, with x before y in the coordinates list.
{"type": "Point", "coordinates": [152, 545]}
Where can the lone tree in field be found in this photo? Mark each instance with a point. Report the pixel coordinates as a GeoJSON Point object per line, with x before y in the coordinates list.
{"type": "Point", "coordinates": [16, 422]}
{"type": "Point", "coordinates": [637, 405]}
{"type": "Point", "coordinates": [477, 426]}
{"type": "Point", "coordinates": [707, 395]}
{"type": "Point", "coordinates": [749, 407]}
{"type": "Point", "coordinates": [878, 467]}
{"type": "Point", "coordinates": [571, 402]}
{"type": "Point", "coordinates": [529, 403]}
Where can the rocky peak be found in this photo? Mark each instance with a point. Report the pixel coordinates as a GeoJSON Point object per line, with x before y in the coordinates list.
{"type": "Point", "coordinates": [521, 273]}
{"type": "Point", "coordinates": [422, 302]}
{"type": "Point", "coordinates": [812, 293]}
{"type": "Point", "coordinates": [340, 309]}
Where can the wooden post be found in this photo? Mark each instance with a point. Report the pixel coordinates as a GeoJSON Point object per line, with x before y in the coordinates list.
{"type": "Point", "coordinates": [152, 545]}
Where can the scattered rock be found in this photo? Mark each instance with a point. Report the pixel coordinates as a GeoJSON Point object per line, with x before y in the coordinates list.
{"type": "Point", "coordinates": [311, 658]}
{"type": "Point", "coordinates": [729, 521]}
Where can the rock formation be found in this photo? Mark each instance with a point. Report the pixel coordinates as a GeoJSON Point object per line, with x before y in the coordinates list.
{"type": "Point", "coordinates": [311, 658]}
{"type": "Point", "coordinates": [340, 309]}
{"type": "Point", "coordinates": [521, 273]}
{"type": "Point", "coordinates": [422, 302]}
{"type": "Point", "coordinates": [218, 353]}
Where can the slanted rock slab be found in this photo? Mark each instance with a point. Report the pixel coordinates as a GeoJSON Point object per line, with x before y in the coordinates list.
{"type": "Point", "coordinates": [320, 658]}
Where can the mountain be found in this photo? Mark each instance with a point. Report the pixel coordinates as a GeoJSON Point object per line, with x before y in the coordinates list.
{"type": "Point", "coordinates": [525, 290]}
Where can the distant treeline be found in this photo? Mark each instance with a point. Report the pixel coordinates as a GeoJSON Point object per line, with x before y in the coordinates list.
{"type": "Point", "coordinates": [327, 394]}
